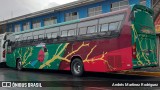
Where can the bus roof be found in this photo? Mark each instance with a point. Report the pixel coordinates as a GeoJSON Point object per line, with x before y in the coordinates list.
{"type": "Point", "coordinates": [143, 8]}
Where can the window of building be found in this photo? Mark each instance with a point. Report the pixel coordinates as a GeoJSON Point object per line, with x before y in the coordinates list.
{"type": "Point", "coordinates": [143, 2]}
{"type": "Point", "coordinates": [26, 26]}
{"type": "Point", "coordinates": [71, 16]}
{"type": "Point", "coordinates": [1, 29]}
{"type": "Point", "coordinates": [17, 28]}
{"type": "Point", "coordinates": [10, 28]}
{"type": "Point", "coordinates": [36, 24]}
{"type": "Point", "coordinates": [119, 5]}
{"type": "Point", "coordinates": [50, 21]}
{"type": "Point", "coordinates": [95, 11]}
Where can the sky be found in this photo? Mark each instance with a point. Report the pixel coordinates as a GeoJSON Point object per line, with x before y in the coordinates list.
{"type": "Point", "coordinates": [13, 8]}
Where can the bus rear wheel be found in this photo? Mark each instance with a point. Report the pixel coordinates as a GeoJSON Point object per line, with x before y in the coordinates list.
{"type": "Point", "coordinates": [19, 65]}
{"type": "Point", "coordinates": [77, 67]}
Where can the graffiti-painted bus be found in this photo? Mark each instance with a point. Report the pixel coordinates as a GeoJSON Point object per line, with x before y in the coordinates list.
{"type": "Point", "coordinates": [110, 42]}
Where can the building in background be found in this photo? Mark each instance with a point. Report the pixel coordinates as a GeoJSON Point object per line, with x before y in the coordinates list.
{"type": "Point", "coordinates": [71, 11]}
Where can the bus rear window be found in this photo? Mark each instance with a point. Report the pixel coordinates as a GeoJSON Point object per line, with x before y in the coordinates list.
{"type": "Point", "coordinates": [144, 18]}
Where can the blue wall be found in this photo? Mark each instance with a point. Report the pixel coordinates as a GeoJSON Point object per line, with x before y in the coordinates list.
{"type": "Point", "coordinates": [81, 10]}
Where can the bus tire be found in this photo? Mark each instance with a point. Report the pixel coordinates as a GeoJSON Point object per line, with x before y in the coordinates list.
{"type": "Point", "coordinates": [19, 65]}
{"type": "Point", "coordinates": [77, 67]}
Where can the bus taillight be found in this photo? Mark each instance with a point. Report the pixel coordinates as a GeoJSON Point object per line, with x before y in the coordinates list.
{"type": "Point", "coordinates": [4, 53]}
{"type": "Point", "coordinates": [134, 51]}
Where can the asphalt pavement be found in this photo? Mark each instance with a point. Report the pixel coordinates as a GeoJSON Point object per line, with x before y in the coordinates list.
{"type": "Point", "coordinates": [66, 78]}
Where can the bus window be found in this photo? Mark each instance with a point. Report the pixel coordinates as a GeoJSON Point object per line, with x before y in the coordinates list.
{"type": "Point", "coordinates": [49, 35]}
{"type": "Point", "coordinates": [104, 27]}
{"type": "Point", "coordinates": [35, 37]}
{"type": "Point", "coordinates": [41, 36]}
{"type": "Point", "coordinates": [24, 38]}
{"type": "Point", "coordinates": [91, 29]}
{"type": "Point", "coordinates": [82, 30]}
{"type": "Point", "coordinates": [30, 37]}
{"type": "Point", "coordinates": [54, 35]}
{"type": "Point", "coordinates": [71, 32]}
{"type": "Point", "coordinates": [64, 33]}
{"type": "Point", "coordinates": [113, 26]}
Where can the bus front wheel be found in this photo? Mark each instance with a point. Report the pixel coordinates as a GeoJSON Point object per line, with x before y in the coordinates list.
{"type": "Point", "coordinates": [77, 67]}
{"type": "Point", "coordinates": [19, 65]}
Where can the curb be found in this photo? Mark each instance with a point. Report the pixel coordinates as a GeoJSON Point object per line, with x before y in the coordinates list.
{"type": "Point", "coordinates": [141, 73]}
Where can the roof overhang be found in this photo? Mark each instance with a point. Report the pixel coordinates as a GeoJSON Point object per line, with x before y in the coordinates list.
{"type": "Point", "coordinates": [51, 10]}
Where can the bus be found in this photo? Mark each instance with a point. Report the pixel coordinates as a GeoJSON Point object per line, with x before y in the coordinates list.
{"type": "Point", "coordinates": [109, 42]}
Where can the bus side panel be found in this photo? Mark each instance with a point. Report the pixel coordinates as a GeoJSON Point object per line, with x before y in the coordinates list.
{"type": "Point", "coordinates": [38, 57]}
{"type": "Point", "coordinates": [112, 54]}
{"type": "Point", "coordinates": [11, 58]}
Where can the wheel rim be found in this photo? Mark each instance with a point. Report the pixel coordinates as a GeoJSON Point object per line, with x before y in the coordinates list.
{"type": "Point", "coordinates": [77, 68]}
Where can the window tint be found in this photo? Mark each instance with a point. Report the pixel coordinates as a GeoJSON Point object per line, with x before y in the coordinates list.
{"type": "Point", "coordinates": [104, 27]}
{"type": "Point", "coordinates": [30, 37]}
{"type": "Point", "coordinates": [54, 35]}
{"type": "Point", "coordinates": [91, 29]}
{"type": "Point", "coordinates": [113, 26]}
{"type": "Point", "coordinates": [71, 32]}
{"type": "Point", "coordinates": [49, 35]}
{"type": "Point", "coordinates": [64, 33]}
{"type": "Point", "coordinates": [82, 30]}
{"type": "Point", "coordinates": [36, 37]}
{"type": "Point", "coordinates": [24, 38]}
{"type": "Point", "coordinates": [41, 36]}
